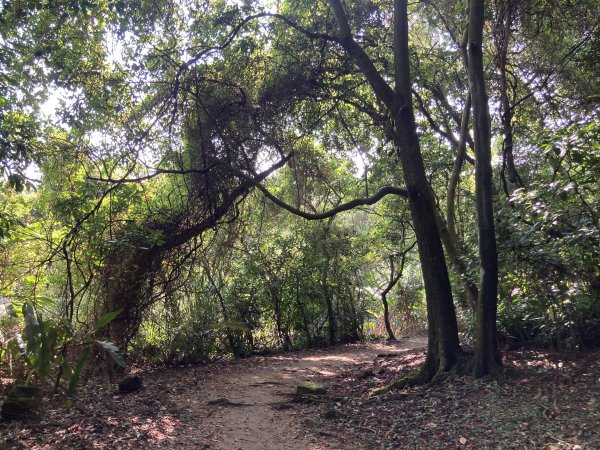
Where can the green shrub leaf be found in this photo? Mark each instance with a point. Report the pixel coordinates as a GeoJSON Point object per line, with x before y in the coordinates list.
{"type": "Point", "coordinates": [105, 320]}
{"type": "Point", "coordinates": [112, 350]}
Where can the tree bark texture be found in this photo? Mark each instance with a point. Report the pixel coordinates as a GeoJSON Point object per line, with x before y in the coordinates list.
{"type": "Point", "coordinates": [443, 348]}
{"type": "Point", "coordinates": [487, 355]}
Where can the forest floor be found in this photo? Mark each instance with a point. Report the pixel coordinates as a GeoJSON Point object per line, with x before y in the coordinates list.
{"type": "Point", "coordinates": [544, 401]}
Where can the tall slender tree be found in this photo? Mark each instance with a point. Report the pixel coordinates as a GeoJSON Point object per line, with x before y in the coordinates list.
{"type": "Point", "coordinates": [487, 355]}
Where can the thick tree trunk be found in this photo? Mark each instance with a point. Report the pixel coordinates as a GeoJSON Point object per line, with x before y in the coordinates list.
{"type": "Point", "coordinates": [443, 349]}
{"type": "Point", "coordinates": [487, 355]}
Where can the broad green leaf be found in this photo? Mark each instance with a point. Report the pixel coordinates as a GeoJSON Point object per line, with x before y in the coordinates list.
{"type": "Point", "coordinates": [112, 350]}
{"type": "Point", "coordinates": [46, 351]}
{"type": "Point", "coordinates": [104, 320]}
{"type": "Point", "coordinates": [42, 301]}
{"type": "Point", "coordinates": [31, 333]}
{"type": "Point", "coordinates": [12, 311]}
{"type": "Point", "coordinates": [29, 314]}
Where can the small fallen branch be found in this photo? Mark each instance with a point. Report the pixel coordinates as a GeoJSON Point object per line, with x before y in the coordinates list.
{"type": "Point", "coordinates": [388, 355]}
{"type": "Point", "coordinates": [223, 401]}
{"type": "Point", "coordinates": [392, 397]}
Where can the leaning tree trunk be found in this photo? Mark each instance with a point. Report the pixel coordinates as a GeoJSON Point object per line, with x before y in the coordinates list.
{"type": "Point", "coordinates": [443, 347]}
{"type": "Point", "coordinates": [128, 275]}
{"type": "Point", "coordinates": [487, 355]}
{"type": "Point", "coordinates": [443, 351]}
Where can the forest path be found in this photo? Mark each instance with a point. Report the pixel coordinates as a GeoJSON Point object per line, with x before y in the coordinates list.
{"type": "Point", "coordinates": [259, 389]}
{"type": "Point", "coordinates": [230, 404]}
{"type": "Point", "coordinates": [545, 400]}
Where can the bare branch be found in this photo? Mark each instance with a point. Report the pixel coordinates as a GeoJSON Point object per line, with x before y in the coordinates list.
{"type": "Point", "coordinates": [324, 215]}
{"type": "Point", "coordinates": [156, 173]}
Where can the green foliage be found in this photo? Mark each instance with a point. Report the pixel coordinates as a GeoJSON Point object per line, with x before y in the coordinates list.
{"type": "Point", "coordinates": [74, 375]}
{"type": "Point", "coordinates": [112, 350]}
{"type": "Point", "coordinates": [44, 344]}
{"type": "Point", "coordinates": [141, 87]}
{"type": "Point", "coordinates": [551, 242]}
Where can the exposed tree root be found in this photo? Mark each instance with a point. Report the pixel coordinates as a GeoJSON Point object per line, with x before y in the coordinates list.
{"type": "Point", "coordinates": [416, 379]}
{"type": "Point", "coordinates": [428, 375]}
{"type": "Point", "coordinates": [490, 366]}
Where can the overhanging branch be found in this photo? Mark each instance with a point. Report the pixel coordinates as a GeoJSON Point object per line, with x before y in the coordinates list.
{"type": "Point", "coordinates": [389, 190]}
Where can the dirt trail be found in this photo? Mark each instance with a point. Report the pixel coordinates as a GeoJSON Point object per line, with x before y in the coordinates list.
{"type": "Point", "coordinates": [261, 416]}
{"type": "Point", "coordinates": [236, 404]}
{"type": "Point", "coordinates": [545, 400]}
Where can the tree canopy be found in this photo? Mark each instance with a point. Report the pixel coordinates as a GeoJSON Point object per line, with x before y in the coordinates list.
{"type": "Point", "coordinates": [189, 178]}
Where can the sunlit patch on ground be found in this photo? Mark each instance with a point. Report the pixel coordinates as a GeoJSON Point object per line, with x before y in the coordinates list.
{"type": "Point", "coordinates": [344, 359]}
{"type": "Point", "coordinates": [320, 371]}
{"type": "Point", "coordinates": [159, 429]}
{"type": "Point", "coordinates": [545, 399]}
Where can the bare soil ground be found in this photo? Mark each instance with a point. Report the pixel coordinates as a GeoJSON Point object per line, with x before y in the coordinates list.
{"type": "Point", "coordinates": [546, 401]}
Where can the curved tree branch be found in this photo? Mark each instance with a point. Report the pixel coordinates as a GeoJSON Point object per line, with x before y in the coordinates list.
{"type": "Point", "coordinates": [389, 190]}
